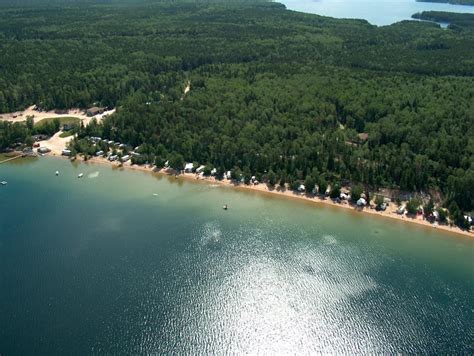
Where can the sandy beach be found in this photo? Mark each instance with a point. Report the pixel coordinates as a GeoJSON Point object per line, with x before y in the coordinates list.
{"type": "Point", "coordinates": [56, 144]}
{"type": "Point", "coordinates": [38, 116]}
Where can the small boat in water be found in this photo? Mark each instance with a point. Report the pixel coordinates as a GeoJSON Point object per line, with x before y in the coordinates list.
{"type": "Point", "coordinates": [3, 182]}
{"type": "Point", "coordinates": [225, 207]}
{"type": "Point", "coordinates": [57, 173]}
{"type": "Point", "coordinates": [155, 194]}
{"type": "Point", "coordinates": [80, 175]}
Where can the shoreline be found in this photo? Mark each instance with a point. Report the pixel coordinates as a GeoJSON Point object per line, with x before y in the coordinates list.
{"type": "Point", "coordinates": [263, 188]}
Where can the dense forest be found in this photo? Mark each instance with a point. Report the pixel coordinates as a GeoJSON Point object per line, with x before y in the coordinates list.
{"type": "Point", "coordinates": [273, 92]}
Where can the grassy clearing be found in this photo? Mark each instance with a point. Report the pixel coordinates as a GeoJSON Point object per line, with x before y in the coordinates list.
{"type": "Point", "coordinates": [62, 120]}
{"type": "Point", "coordinates": [66, 133]}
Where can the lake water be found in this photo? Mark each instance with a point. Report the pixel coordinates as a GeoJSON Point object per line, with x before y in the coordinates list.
{"type": "Point", "coordinates": [101, 265]}
{"type": "Point", "coordinates": [377, 12]}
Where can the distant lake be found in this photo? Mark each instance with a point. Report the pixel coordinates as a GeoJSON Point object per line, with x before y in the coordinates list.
{"type": "Point", "coordinates": [377, 12]}
{"type": "Point", "coordinates": [122, 262]}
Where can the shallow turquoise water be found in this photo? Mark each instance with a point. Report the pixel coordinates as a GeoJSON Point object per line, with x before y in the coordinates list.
{"type": "Point", "coordinates": [100, 265]}
{"type": "Point", "coordinates": [377, 12]}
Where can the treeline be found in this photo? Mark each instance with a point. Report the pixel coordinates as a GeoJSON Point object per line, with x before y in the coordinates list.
{"type": "Point", "coordinates": [457, 2]}
{"type": "Point", "coordinates": [302, 96]}
{"type": "Point", "coordinates": [460, 22]}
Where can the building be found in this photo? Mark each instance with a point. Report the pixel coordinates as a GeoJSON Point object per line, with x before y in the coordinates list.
{"type": "Point", "coordinates": [361, 202]}
{"type": "Point", "coordinates": [200, 169]}
{"type": "Point", "coordinates": [99, 153]}
{"type": "Point", "coordinates": [125, 158]}
{"type": "Point", "coordinates": [94, 111]}
{"type": "Point", "coordinates": [188, 167]}
{"type": "Point", "coordinates": [66, 152]}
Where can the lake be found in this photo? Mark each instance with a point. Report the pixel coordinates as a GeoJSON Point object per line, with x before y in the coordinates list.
{"type": "Point", "coordinates": [102, 265]}
{"type": "Point", "coordinates": [377, 12]}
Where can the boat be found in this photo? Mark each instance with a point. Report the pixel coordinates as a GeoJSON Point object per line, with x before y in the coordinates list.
{"type": "Point", "coordinates": [155, 194]}
{"type": "Point", "coordinates": [80, 175]}
{"type": "Point", "coordinates": [57, 173]}
{"type": "Point", "coordinates": [3, 182]}
{"type": "Point", "coordinates": [225, 207]}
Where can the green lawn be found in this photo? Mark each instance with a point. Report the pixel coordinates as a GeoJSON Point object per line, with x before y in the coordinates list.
{"type": "Point", "coordinates": [62, 120]}
{"type": "Point", "coordinates": [67, 133]}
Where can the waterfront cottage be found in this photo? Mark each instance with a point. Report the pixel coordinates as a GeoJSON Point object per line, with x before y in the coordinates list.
{"type": "Point", "coordinates": [361, 202]}
{"type": "Point", "coordinates": [200, 169]}
{"type": "Point", "coordinates": [188, 167]}
{"type": "Point", "coordinates": [66, 152]}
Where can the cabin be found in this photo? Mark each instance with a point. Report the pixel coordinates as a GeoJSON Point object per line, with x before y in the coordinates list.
{"type": "Point", "coordinates": [122, 145]}
{"type": "Point", "coordinates": [188, 167]}
{"type": "Point", "coordinates": [469, 219]}
{"type": "Point", "coordinates": [43, 150]}
{"type": "Point", "coordinates": [135, 154]}
{"type": "Point", "coordinates": [200, 169]}
{"type": "Point", "coordinates": [94, 111]}
{"type": "Point", "coordinates": [66, 152]}
{"type": "Point", "coordinates": [344, 196]}
{"type": "Point", "coordinates": [401, 210]}
{"type": "Point", "coordinates": [113, 158]}
{"type": "Point", "coordinates": [361, 202]}
{"type": "Point", "coordinates": [363, 137]}
{"type": "Point", "coordinates": [213, 172]}
{"type": "Point", "coordinates": [125, 158]}
{"type": "Point", "coordinates": [99, 153]}
{"type": "Point", "coordinates": [301, 188]}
